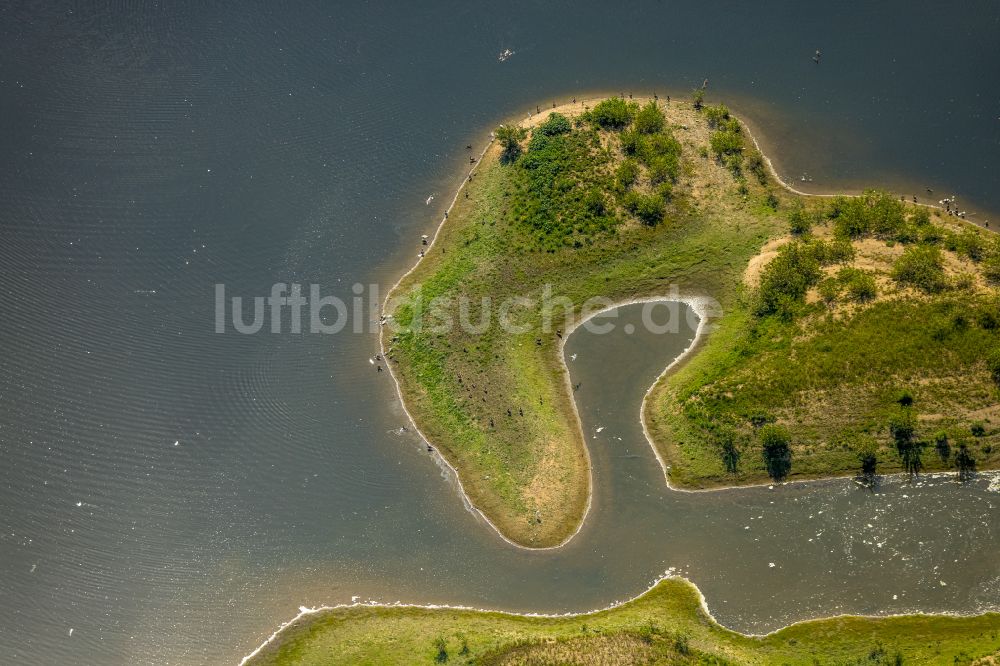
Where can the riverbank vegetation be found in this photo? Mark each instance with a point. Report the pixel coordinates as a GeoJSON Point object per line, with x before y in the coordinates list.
{"type": "Point", "coordinates": [667, 625]}
{"type": "Point", "coordinates": [832, 309]}
{"type": "Point", "coordinates": [865, 336]}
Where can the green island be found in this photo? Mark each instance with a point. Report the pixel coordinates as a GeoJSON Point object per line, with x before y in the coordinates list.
{"type": "Point", "coordinates": [855, 336]}
{"type": "Point", "coordinates": [858, 335]}
{"type": "Point", "coordinates": [666, 625]}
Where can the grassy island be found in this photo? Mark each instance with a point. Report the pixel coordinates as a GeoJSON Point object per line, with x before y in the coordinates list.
{"type": "Point", "coordinates": [855, 336]}
{"type": "Point", "coordinates": [858, 334]}
{"type": "Point", "coordinates": [666, 625]}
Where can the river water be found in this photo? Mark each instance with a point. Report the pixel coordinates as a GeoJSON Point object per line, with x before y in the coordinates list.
{"type": "Point", "coordinates": [170, 495]}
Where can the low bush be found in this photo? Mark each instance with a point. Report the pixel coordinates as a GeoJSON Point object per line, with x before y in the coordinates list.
{"type": "Point", "coordinates": [828, 253]}
{"type": "Point", "coordinates": [555, 124]}
{"type": "Point", "coordinates": [921, 267]}
{"type": "Point", "coordinates": [991, 267]}
{"type": "Point", "coordinates": [725, 142]}
{"type": "Point", "coordinates": [798, 222]}
{"type": "Point", "coordinates": [787, 278]}
{"type": "Point", "coordinates": [716, 116]}
{"type": "Point", "coordinates": [613, 113]}
{"type": "Point", "coordinates": [626, 174]}
{"type": "Point", "coordinates": [859, 284]}
{"type": "Point", "coordinates": [968, 243]}
{"type": "Point", "coordinates": [829, 289]}
{"type": "Point", "coordinates": [649, 119]}
{"type": "Point", "coordinates": [650, 209]}
{"type": "Point", "coordinates": [988, 316]}
{"type": "Point", "coordinates": [755, 165]}
{"type": "Point", "coordinates": [698, 98]}
{"type": "Point", "coordinates": [873, 213]}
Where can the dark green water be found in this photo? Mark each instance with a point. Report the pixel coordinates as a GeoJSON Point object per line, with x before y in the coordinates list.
{"type": "Point", "coordinates": [151, 151]}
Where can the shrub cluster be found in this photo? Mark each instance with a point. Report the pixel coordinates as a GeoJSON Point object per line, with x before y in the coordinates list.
{"type": "Point", "coordinates": [856, 284]}
{"type": "Point", "coordinates": [990, 264]}
{"type": "Point", "coordinates": [626, 174]}
{"type": "Point", "coordinates": [726, 141]}
{"type": "Point", "coordinates": [993, 364]}
{"type": "Point", "coordinates": [717, 116]}
{"type": "Point", "coordinates": [921, 267]}
{"type": "Point", "coordinates": [698, 98]}
{"type": "Point", "coordinates": [968, 243]}
{"type": "Point", "coordinates": [977, 247]}
{"type": "Point", "coordinates": [561, 180]}
{"type": "Point", "coordinates": [786, 279]}
{"type": "Point", "coordinates": [874, 213]}
{"type": "Point", "coordinates": [510, 138]}
{"type": "Point", "coordinates": [650, 150]}
{"type": "Point", "coordinates": [798, 221]}
{"type": "Point", "coordinates": [556, 123]}
{"type": "Point", "coordinates": [560, 183]}
{"type": "Point", "coordinates": [755, 165]}
{"type": "Point", "coordinates": [649, 119]}
{"type": "Point", "coordinates": [649, 208]}
{"type": "Point", "coordinates": [612, 114]}
{"type": "Point", "coordinates": [658, 151]}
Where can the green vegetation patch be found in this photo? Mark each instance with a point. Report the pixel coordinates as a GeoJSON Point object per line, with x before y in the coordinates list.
{"type": "Point", "coordinates": [666, 625]}
{"type": "Point", "coordinates": [864, 297]}
{"type": "Point", "coordinates": [612, 202]}
{"type": "Point", "coordinates": [881, 300]}
{"type": "Point", "coordinates": [559, 190]}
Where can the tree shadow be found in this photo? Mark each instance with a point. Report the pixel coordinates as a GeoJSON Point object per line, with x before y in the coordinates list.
{"type": "Point", "coordinates": [943, 449]}
{"type": "Point", "coordinates": [965, 463]}
{"type": "Point", "coordinates": [869, 482]}
{"type": "Point", "coordinates": [731, 457]}
{"type": "Point", "coordinates": [510, 155]}
{"type": "Point", "coordinates": [910, 453]}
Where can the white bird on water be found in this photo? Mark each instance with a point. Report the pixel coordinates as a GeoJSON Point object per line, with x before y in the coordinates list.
{"type": "Point", "coordinates": [429, 200]}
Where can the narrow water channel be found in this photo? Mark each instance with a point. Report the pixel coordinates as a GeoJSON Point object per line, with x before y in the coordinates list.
{"type": "Point", "coordinates": [765, 557]}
